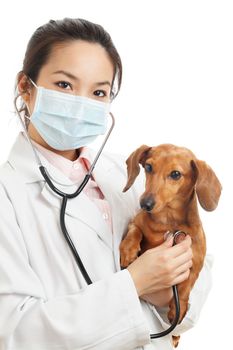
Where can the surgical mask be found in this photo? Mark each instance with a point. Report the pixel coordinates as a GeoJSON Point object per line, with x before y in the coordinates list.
{"type": "Point", "coordinates": [68, 121]}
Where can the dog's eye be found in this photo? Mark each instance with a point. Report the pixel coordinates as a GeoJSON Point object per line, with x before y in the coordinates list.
{"type": "Point", "coordinates": [175, 175]}
{"type": "Point", "coordinates": [148, 168]}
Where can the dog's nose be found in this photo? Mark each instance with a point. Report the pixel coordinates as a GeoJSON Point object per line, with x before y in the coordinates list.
{"type": "Point", "coordinates": [147, 203]}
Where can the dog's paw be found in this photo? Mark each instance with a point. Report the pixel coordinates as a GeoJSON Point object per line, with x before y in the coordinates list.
{"type": "Point", "coordinates": [128, 253]}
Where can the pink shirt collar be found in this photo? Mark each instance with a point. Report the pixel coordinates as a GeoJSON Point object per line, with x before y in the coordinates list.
{"type": "Point", "coordinates": [68, 167]}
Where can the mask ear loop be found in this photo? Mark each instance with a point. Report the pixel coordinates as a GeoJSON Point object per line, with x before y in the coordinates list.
{"type": "Point", "coordinates": [26, 103]}
{"type": "Point", "coordinates": [24, 127]}
{"type": "Point", "coordinates": [33, 83]}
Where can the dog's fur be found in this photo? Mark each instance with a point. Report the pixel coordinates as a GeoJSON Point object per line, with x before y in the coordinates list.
{"type": "Point", "coordinates": [171, 205]}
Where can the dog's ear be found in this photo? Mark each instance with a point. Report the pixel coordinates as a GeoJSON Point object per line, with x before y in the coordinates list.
{"type": "Point", "coordinates": [208, 187]}
{"type": "Point", "coordinates": [137, 157]}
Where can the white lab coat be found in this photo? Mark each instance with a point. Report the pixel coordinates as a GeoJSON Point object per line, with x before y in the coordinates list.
{"type": "Point", "coordinates": [44, 302]}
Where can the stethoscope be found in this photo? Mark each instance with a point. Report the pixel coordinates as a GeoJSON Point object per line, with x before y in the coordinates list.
{"type": "Point", "coordinates": [66, 196]}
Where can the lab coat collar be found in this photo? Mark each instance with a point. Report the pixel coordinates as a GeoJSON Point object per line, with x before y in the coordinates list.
{"type": "Point", "coordinates": [22, 159]}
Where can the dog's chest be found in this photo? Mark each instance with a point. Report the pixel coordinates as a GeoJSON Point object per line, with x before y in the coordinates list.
{"type": "Point", "coordinates": [154, 233]}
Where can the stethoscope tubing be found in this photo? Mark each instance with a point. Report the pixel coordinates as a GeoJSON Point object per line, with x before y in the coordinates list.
{"type": "Point", "coordinates": [71, 244]}
{"type": "Point", "coordinates": [66, 196]}
{"type": "Point", "coordinates": [176, 319]}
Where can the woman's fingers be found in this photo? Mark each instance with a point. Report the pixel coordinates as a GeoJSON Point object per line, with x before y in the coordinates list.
{"type": "Point", "coordinates": [182, 277]}
{"type": "Point", "coordinates": [182, 259]}
{"type": "Point", "coordinates": [183, 268]}
{"type": "Point", "coordinates": [182, 247]}
{"type": "Point", "coordinates": [175, 250]}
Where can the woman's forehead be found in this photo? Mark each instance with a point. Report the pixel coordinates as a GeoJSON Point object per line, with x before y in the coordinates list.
{"type": "Point", "coordinates": [82, 59]}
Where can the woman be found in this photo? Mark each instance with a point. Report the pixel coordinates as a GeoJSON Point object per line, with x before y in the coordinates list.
{"type": "Point", "coordinates": [45, 302]}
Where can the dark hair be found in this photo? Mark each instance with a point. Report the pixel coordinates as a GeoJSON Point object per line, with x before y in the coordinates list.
{"type": "Point", "coordinates": [68, 29]}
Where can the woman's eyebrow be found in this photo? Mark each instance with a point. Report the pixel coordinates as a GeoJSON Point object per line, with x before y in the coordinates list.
{"type": "Point", "coordinates": [103, 83]}
{"type": "Point", "coordinates": [71, 76]}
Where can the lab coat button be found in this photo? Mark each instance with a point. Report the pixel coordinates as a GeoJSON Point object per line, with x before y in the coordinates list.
{"type": "Point", "coordinates": [76, 166]}
{"type": "Point", "coordinates": [105, 216]}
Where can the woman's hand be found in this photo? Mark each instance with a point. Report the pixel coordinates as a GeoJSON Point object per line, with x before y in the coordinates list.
{"type": "Point", "coordinates": [162, 267]}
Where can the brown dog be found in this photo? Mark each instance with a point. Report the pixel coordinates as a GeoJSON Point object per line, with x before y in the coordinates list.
{"type": "Point", "coordinates": [174, 178]}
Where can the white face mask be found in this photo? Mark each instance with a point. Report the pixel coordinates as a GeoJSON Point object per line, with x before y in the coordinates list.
{"type": "Point", "coordinates": [68, 121]}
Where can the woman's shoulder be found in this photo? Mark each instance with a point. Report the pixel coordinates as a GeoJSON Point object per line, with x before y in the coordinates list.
{"type": "Point", "coordinates": [108, 160]}
{"type": "Point", "coordinates": [115, 158]}
{"type": "Point", "coordinates": [118, 163]}
{"type": "Point", "coordinates": [6, 172]}
{"type": "Point", "coordinates": [9, 181]}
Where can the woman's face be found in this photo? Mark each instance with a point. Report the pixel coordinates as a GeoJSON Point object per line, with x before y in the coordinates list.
{"type": "Point", "coordinates": [78, 68]}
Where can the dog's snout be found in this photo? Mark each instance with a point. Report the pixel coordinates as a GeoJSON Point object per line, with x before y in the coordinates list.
{"type": "Point", "coordinates": [147, 203]}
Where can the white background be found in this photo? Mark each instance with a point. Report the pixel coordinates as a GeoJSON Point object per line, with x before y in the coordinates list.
{"type": "Point", "coordinates": [177, 88]}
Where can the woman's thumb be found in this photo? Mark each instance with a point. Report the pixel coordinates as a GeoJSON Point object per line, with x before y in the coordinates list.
{"type": "Point", "coordinates": [168, 240]}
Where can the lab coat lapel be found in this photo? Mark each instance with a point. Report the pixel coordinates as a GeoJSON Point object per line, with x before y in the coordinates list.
{"type": "Point", "coordinates": [83, 209]}
{"type": "Point", "coordinates": [111, 185]}
{"type": "Point", "coordinates": [22, 159]}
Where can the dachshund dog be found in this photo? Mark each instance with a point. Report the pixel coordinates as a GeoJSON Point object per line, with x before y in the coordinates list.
{"type": "Point", "coordinates": [175, 178]}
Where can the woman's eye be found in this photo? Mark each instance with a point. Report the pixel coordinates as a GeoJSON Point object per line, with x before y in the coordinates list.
{"type": "Point", "coordinates": [64, 85]}
{"type": "Point", "coordinates": [100, 93]}
{"type": "Point", "coordinates": [148, 168]}
{"type": "Point", "coordinates": [175, 175]}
